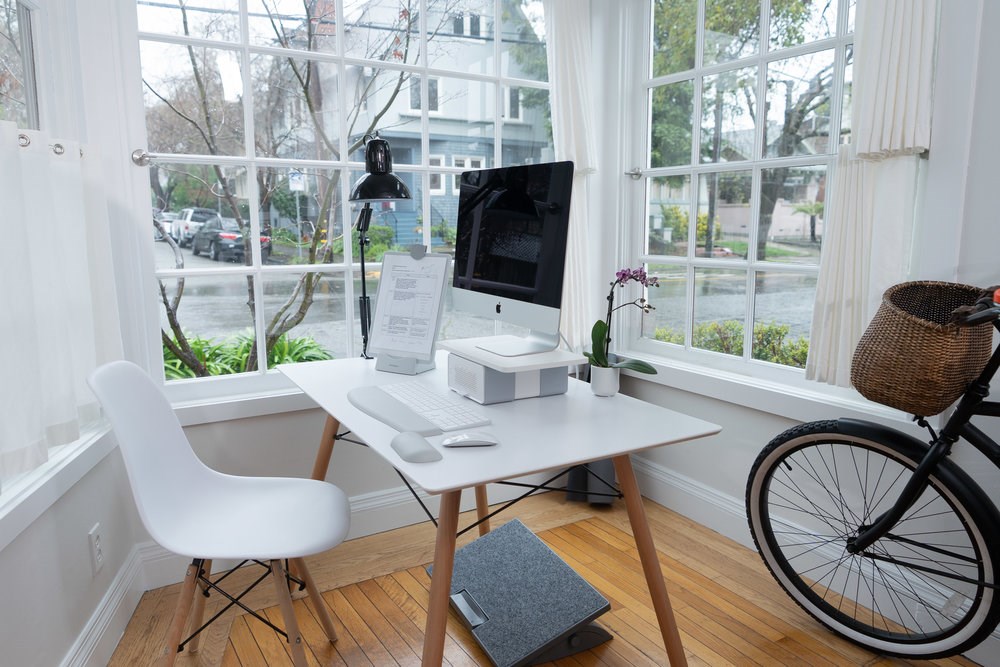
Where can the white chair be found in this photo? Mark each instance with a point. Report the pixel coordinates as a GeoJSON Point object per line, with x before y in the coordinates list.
{"type": "Point", "coordinates": [197, 512]}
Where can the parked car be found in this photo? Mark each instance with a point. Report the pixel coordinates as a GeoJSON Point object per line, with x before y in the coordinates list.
{"type": "Point", "coordinates": [222, 239]}
{"type": "Point", "coordinates": [166, 219]}
{"type": "Point", "coordinates": [188, 222]}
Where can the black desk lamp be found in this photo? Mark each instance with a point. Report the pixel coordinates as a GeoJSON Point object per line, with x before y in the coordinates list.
{"type": "Point", "coordinates": [378, 184]}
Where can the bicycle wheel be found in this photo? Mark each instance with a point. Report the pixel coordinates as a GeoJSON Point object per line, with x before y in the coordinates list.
{"type": "Point", "coordinates": [919, 591]}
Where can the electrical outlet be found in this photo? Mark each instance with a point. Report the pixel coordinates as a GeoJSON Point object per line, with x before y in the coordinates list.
{"type": "Point", "coordinates": [96, 549]}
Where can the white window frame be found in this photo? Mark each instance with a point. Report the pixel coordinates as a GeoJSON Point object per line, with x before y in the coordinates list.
{"type": "Point", "coordinates": [631, 239]}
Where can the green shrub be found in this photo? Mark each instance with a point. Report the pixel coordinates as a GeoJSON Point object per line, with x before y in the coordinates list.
{"type": "Point", "coordinates": [770, 341]}
{"type": "Point", "coordinates": [231, 355]}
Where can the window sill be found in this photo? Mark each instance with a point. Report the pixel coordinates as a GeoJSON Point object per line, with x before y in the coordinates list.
{"type": "Point", "coordinates": [798, 402]}
{"type": "Point", "coordinates": [25, 500]}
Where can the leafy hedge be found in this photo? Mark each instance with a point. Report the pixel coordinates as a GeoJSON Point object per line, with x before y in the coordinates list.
{"type": "Point", "coordinates": [770, 341]}
{"type": "Point", "coordinates": [230, 356]}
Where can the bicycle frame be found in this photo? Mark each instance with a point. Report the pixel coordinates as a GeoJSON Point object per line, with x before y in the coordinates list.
{"type": "Point", "coordinates": [972, 403]}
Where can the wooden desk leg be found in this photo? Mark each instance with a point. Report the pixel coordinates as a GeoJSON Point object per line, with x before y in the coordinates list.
{"type": "Point", "coordinates": [482, 509]}
{"type": "Point", "coordinates": [444, 561]}
{"type": "Point", "coordinates": [650, 561]}
{"type": "Point", "coordinates": [325, 450]}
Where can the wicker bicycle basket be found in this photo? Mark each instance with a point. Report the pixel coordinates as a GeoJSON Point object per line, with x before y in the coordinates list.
{"type": "Point", "coordinates": [910, 358]}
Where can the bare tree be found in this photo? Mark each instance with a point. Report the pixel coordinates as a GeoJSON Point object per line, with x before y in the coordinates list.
{"type": "Point", "coordinates": [194, 112]}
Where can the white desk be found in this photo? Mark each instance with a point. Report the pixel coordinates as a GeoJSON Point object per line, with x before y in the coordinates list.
{"type": "Point", "coordinates": [535, 434]}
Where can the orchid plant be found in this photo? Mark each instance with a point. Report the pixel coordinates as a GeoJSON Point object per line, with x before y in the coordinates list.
{"type": "Point", "coordinates": [601, 333]}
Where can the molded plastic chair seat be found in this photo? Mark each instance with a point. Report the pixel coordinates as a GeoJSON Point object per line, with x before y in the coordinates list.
{"type": "Point", "coordinates": [195, 511]}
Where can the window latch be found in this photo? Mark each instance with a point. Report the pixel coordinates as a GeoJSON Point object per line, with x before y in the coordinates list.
{"type": "Point", "coordinates": [635, 173]}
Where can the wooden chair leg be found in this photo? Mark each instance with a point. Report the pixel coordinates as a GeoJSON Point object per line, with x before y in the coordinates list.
{"type": "Point", "coordinates": [198, 611]}
{"type": "Point", "coordinates": [319, 604]}
{"type": "Point", "coordinates": [181, 612]}
{"type": "Point", "coordinates": [288, 613]}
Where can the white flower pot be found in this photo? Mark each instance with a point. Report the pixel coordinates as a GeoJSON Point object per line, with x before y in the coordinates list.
{"type": "Point", "coordinates": [604, 381]}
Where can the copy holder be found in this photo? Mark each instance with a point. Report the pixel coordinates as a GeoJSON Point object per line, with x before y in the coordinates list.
{"type": "Point", "coordinates": [408, 308]}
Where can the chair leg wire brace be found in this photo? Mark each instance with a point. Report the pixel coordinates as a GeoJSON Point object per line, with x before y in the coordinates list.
{"type": "Point", "coordinates": [198, 579]}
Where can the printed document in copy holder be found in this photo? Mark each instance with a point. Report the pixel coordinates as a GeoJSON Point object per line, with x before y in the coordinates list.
{"type": "Point", "coordinates": [408, 308]}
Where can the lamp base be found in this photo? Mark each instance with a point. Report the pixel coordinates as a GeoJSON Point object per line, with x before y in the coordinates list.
{"type": "Point", "coordinates": [403, 365]}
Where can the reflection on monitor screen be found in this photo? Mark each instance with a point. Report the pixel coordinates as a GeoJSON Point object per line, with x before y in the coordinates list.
{"type": "Point", "coordinates": [510, 250]}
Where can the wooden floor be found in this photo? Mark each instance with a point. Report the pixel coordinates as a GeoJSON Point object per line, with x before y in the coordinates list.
{"type": "Point", "coordinates": [729, 610]}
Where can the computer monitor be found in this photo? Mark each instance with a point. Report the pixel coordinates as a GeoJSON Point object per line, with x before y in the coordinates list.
{"type": "Point", "coordinates": [510, 251]}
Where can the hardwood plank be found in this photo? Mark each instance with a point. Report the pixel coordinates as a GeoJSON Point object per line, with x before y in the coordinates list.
{"type": "Point", "coordinates": [729, 609]}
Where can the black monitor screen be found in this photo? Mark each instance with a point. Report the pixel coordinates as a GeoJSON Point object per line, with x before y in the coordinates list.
{"type": "Point", "coordinates": [511, 235]}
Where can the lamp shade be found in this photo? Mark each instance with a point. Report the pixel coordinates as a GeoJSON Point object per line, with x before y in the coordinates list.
{"type": "Point", "coordinates": [379, 183]}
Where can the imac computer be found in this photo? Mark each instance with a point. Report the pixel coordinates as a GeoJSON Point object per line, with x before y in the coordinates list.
{"type": "Point", "coordinates": [510, 251]}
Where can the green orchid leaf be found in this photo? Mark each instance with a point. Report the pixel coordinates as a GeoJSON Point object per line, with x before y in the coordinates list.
{"type": "Point", "coordinates": [635, 365]}
{"type": "Point", "coordinates": [598, 336]}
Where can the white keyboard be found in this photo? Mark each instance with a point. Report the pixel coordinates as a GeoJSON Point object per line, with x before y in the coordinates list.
{"type": "Point", "coordinates": [413, 406]}
{"type": "Point", "coordinates": [449, 412]}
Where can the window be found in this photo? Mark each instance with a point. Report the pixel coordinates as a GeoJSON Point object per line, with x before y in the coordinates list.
{"type": "Point", "coordinates": [464, 163]}
{"type": "Point", "coordinates": [742, 131]}
{"type": "Point", "coordinates": [514, 103]}
{"type": "Point", "coordinates": [256, 114]}
{"type": "Point", "coordinates": [468, 23]}
{"type": "Point", "coordinates": [432, 94]}
{"type": "Point", "coordinates": [17, 72]}
{"type": "Point", "coordinates": [436, 178]}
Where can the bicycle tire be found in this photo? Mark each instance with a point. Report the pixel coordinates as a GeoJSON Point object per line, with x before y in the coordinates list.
{"type": "Point", "coordinates": [805, 495]}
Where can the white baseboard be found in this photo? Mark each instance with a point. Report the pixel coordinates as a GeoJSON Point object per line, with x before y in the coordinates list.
{"type": "Point", "coordinates": [96, 643]}
{"type": "Point", "coordinates": [150, 566]}
{"type": "Point", "coordinates": [726, 515]}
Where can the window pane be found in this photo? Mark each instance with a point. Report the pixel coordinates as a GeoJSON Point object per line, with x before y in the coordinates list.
{"type": "Point", "coordinates": [783, 306]}
{"type": "Point", "coordinates": [791, 214]}
{"type": "Point", "coordinates": [386, 30]}
{"type": "Point", "coordinates": [669, 215]}
{"type": "Point", "coordinates": [719, 310]}
{"type": "Point", "coordinates": [293, 24]}
{"type": "Point", "coordinates": [193, 97]}
{"type": "Point", "coordinates": [295, 108]}
{"type": "Point", "coordinates": [666, 321]}
{"type": "Point", "coordinates": [724, 215]}
{"type": "Point", "coordinates": [322, 330]}
{"type": "Point", "coordinates": [17, 82]}
{"type": "Point", "coordinates": [671, 129]}
{"type": "Point", "coordinates": [845, 113]}
{"type": "Point", "coordinates": [459, 39]}
{"type": "Point", "coordinates": [728, 109]}
{"type": "Point", "coordinates": [798, 105]}
{"type": "Point", "coordinates": [732, 29]}
{"type": "Point", "coordinates": [208, 19]}
{"type": "Point", "coordinates": [522, 47]}
{"type": "Point", "coordinates": [212, 315]}
{"type": "Point", "coordinates": [674, 23]}
{"type": "Point", "coordinates": [529, 139]}
{"type": "Point", "coordinates": [192, 194]}
{"type": "Point", "coordinates": [794, 22]}
{"type": "Point", "coordinates": [301, 211]}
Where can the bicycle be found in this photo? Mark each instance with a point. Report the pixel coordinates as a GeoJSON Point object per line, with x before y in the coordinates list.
{"type": "Point", "coordinates": [880, 536]}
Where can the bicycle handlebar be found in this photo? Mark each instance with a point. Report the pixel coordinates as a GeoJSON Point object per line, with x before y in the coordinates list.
{"type": "Point", "coordinates": [986, 309]}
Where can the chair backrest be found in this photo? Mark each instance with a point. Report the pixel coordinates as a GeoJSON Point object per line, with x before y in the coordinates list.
{"type": "Point", "coordinates": [162, 468]}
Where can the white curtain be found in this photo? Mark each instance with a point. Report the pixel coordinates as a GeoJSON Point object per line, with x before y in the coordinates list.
{"type": "Point", "coordinates": [567, 30]}
{"type": "Point", "coordinates": [60, 318]}
{"type": "Point", "coordinates": [869, 227]}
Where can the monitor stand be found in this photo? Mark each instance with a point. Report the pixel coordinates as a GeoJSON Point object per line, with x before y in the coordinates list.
{"type": "Point", "coordinates": [516, 346]}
